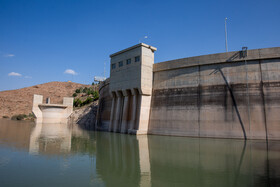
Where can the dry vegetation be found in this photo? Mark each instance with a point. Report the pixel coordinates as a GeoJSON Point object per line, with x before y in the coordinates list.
{"type": "Point", "coordinates": [14, 102]}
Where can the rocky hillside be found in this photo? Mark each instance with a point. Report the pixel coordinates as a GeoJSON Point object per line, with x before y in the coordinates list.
{"type": "Point", "coordinates": [85, 116]}
{"type": "Point", "coordinates": [19, 101]}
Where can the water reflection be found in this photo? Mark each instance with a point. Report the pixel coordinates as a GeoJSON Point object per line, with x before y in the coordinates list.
{"type": "Point", "coordinates": [44, 139]}
{"type": "Point", "coordinates": [125, 160]}
{"type": "Point", "coordinates": [50, 138]}
{"type": "Point", "coordinates": [211, 162]}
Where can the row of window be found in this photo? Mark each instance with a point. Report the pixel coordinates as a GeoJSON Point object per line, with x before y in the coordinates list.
{"type": "Point", "coordinates": [128, 61]}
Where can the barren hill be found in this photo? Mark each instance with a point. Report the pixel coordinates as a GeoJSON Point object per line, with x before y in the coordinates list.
{"type": "Point", "coordinates": [20, 101]}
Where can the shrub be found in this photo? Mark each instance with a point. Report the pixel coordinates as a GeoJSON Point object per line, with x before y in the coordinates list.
{"type": "Point", "coordinates": [74, 94]}
{"type": "Point", "coordinates": [87, 101]}
{"type": "Point", "coordinates": [77, 102]}
{"type": "Point", "coordinates": [85, 90]}
{"type": "Point", "coordinates": [90, 91]}
{"type": "Point", "coordinates": [19, 117]}
{"type": "Point", "coordinates": [31, 115]}
{"type": "Point", "coordinates": [5, 116]}
{"type": "Point", "coordinates": [78, 91]}
{"type": "Point", "coordinates": [95, 95]}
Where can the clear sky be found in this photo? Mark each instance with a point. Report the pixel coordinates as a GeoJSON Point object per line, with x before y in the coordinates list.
{"type": "Point", "coordinates": [61, 40]}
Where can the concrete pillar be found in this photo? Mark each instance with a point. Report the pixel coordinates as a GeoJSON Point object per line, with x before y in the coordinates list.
{"type": "Point", "coordinates": [134, 111]}
{"type": "Point", "coordinates": [67, 101]}
{"type": "Point", "coordinates": [124, 123]}
{"type": "Point", "coordinates": [113, 111]}
{"type": "Point", "coordinates": [37, 99]}
{"type": "Point", "coordinates": [144, 114]}
{"type": "Point", "coordinates": [118, 112]}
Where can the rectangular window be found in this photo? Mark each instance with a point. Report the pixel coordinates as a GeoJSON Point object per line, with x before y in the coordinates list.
{"type": "Point", "coordinates": [120, 63]}
{"type": "Point", "coordinates": [128, 61]}
{"type": "Point", "coordinates": [137, 58]}
{"type": "Point", "coordinates": [113, 66]}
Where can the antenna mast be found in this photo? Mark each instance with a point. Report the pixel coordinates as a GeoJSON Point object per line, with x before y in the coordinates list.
{"type": "Point", "coordinates": [226, 34]}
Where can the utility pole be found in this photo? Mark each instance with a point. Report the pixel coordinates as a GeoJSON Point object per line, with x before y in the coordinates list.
{"type": "Point", "coordinates": [226, 34]}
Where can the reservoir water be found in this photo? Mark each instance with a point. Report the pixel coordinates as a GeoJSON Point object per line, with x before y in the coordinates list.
{"type": "Point", "coordinates": [65, 155]}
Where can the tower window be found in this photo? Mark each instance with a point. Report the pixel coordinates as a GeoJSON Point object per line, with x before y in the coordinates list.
{"type": "Point", "coordinates": [113, 66]}
{"type": "Point", "coordinates": [120, 63]}
{"type": "Point", "coordinates": [137, 58]}
{"type": "Point", "coordinates": [128, 61]}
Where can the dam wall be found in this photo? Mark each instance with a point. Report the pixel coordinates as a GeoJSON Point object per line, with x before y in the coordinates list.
{"type": "Point", "coordinates": [226, 95]}
{"type": "Point", "coordinates": [104, 107]}
{"type": "Point", "coordinates": [221, 95]}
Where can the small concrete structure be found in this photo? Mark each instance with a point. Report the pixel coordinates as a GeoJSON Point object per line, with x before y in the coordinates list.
{"type": "Point", "coordinates": [52, 113]}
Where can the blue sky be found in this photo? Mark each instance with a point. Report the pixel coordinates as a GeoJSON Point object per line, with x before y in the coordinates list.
{"type": "Point", "coordinates": [41, 39]}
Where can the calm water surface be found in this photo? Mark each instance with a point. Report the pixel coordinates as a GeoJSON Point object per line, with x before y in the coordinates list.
{"type": "Point", "coordinates": [63, 155]}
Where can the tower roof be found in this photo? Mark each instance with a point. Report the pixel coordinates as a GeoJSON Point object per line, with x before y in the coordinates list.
{"type": "Point", "coordinates": [133, 47]}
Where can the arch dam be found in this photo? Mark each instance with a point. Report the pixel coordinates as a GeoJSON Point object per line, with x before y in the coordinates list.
{"type": "Point", "coordinates": [225, 95]}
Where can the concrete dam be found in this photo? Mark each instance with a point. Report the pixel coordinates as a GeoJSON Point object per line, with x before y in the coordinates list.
{"type": "Point", "coordinates": [225, 95]}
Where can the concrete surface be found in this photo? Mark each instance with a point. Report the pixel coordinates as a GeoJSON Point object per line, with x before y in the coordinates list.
{"type": "Point", "coordinates": [221, 95]}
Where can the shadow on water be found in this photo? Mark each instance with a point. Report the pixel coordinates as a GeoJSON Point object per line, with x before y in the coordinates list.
{"type": "Point", "coordinates": [272, 168]}
{"type": "Point", "coordinates": [240, 163]}
{"type": "Point", "coordinates": [126, 160]}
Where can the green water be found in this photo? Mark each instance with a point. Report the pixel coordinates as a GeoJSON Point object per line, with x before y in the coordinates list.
{"type": "Point", "coordinates": [64, 155]}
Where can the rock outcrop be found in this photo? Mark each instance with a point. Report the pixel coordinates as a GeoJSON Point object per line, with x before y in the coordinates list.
{"type": "Point", "coordinates": [85, 116]}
